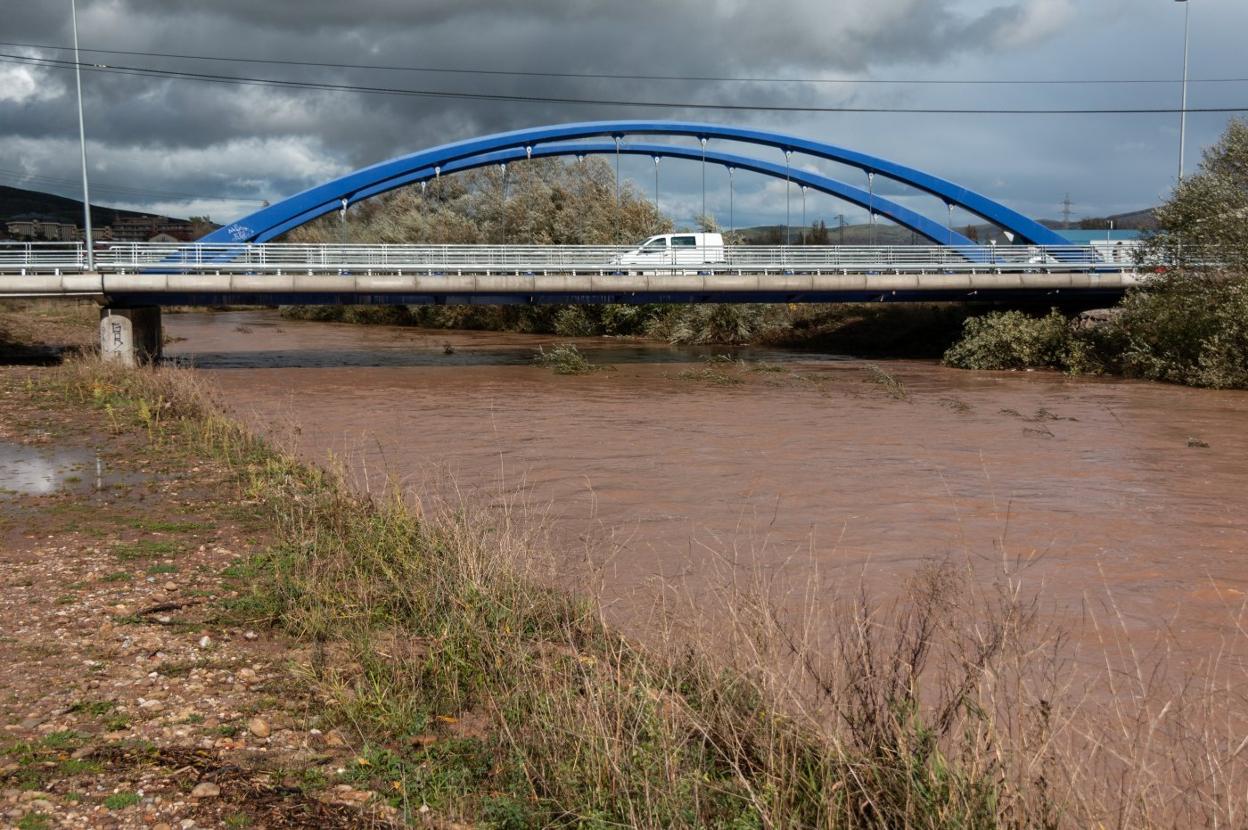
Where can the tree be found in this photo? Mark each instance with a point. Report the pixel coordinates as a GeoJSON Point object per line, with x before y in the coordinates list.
{"type": "Point", "coordinates": [819, 233]}
{"type": "Point", "coordinates": [202, 226]}
{"type": "Point", "coordinates": [1206, 217]}
{"type": "Point", "coordinates": [542, 201]}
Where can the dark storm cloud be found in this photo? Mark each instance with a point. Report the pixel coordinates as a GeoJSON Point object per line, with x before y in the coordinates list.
{"type": "Point", "coordinates": [260, 142]}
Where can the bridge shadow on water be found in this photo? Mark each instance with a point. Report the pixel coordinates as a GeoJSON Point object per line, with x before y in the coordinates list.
{"type": "Point", "coordinates": [262, 340]}
{"type": "Point", "coordinates": [610, 354]}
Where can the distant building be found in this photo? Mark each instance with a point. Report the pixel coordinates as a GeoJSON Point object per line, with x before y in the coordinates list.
{"type": "Point", "coordinates": [38, 230]}
{"type": "Point", "coordinates": [1110, 245]}
{"type": "Point", "coordinates": [143, 228]}
{"type": "Point", "coordinates": [1091, 235]}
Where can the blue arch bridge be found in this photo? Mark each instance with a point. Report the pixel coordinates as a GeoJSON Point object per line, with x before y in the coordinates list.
{"type": "Point", "coordinates": [241, 264]}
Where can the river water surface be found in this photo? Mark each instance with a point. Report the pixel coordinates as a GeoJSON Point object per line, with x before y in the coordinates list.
{"type": "Point", "coordinates": [807, 469]}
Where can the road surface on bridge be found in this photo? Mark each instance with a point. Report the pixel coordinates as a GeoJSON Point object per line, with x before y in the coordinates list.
{"type": "Point", "coordinates": [160, 273]}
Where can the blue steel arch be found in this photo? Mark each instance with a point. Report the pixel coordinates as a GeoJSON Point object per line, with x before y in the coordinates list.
{"type": "Point", "coordinates": [317, 201]}
{"type": "Point", "coordinates": [917, 222]}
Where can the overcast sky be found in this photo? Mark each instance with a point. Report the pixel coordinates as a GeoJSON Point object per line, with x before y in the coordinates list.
{"type": "Point", "coordinates": [183, 147]}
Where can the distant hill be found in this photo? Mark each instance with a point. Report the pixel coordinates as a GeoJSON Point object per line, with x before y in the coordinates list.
{"type": "Point", "coordinates": [1136, 220]}
{"type": "Point", "coordinates": [32, 204]}
{"type": "Point", "coordinates": [887, 233]}
{"type": "Point", "coordinates": [1143, 220]}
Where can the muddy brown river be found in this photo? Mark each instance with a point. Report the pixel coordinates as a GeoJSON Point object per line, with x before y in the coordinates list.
{"type": "Point", "coordinates": [666, 473]}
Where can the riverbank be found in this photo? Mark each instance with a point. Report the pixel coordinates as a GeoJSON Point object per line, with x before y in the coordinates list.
{"type": "Point", "coordinates": [136, 695]}
{"type": "Point", "coordinates": [1185, 328]}
{"type": "Point", "coordinates": [462, 683]}
{"type": "Point", "coordinates": [41, 332]}
{"type": "Point", "coordinates": [911, 330]}
{"type": "Point", "coordinates": [462, 688]}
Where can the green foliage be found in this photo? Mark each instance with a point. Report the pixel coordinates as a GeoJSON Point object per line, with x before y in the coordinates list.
{"type": "Point", "coordinates": [120, 801]}
{"type": "Point", "coordinates": [722, 323]}
{"type": "Point", "coordinates": [143, 549]}
{"type": "Point", "coordinates": [96, 708]}
{"type": "Point", "coordinates": [1190, 329]}
{"type": "Point", "coordinates": [1181, 328]}
{"type": "Point", "coordinates": [34, 821]}
{"type": "Point", "coordinates": [62, 740]}
{"type": "Point", "coordinates": [1206, 217]}
{"type": "Point", "coordinates": [507, 814]}
{"type": "Point", "coordinates": [565, 359]}
{"type": "Point", "coordinates": [1012, 340]}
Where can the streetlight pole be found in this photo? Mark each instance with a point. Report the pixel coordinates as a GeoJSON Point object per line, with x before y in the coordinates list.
{"type": "Point", "coordinates": [1187, 16]}
{"type": "Point", "coordinates": [82, 142]}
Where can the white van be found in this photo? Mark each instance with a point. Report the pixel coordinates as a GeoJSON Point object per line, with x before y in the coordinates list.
{"type": "Point", "coordinates": [676, 249]}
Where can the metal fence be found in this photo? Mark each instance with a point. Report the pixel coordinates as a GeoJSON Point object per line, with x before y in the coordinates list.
{"type": "Point", "coordinates": [280, 258]}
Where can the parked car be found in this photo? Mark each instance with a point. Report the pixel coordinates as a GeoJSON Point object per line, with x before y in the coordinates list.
{"type": "Point", "coordinates": [671, 249]}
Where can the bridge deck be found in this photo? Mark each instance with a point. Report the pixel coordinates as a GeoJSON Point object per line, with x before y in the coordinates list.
{"type": "Point", "coordinates": [242, 273]}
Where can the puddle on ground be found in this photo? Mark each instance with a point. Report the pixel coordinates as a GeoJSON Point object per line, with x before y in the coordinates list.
{"type": "Point", "coordinates": [37, 471]}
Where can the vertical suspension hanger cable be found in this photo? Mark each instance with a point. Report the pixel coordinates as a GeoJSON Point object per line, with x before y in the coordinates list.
{"type": "Point", "coordinates": [619, 207]}
{"type": "Point", "coordinates": [788, 181]}
{"type": "Point", "coordinates": [502, 204]}
{"type": "Point", "coordinates": [703, 140]}
{"type": "Point", "coordinates": [617, 172]}
{"type": "Point", "coordinates": [731, 217]}
{"type": "Point", "coordinates": [871, 207]}
{"type": "Point", "coordinates": [657, 215]}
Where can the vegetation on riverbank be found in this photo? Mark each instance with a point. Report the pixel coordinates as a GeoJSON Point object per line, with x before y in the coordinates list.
{"type": "Point", "coordinates": [1188, 328]}
{"type": "Point", "coordinates": [565, 359]}
{"type": "Point", "coordinates": [470, 687]}
{"type": "Point", "coordinates": [39, 331]}
{"type": "Point", "coordinates": [912, 329]}
{"type": "Point", "coordinates": [1187, 325]}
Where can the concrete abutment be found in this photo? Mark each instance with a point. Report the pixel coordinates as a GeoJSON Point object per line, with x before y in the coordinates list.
{"type": "Point", "coordinates": [130, 336]}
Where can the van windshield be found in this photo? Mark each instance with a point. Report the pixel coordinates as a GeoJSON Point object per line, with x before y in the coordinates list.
{"type": "Point", "coordinates": [655, 244]}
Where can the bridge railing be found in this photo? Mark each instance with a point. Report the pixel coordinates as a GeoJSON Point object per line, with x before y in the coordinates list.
{"type": "Point", "coordinates": [277, 258]}
{"type": "Point", "coordinates": [21, 256]}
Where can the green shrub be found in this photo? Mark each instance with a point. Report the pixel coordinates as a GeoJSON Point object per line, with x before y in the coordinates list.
{"type": "Point", "coordinates": [1180, 328]}
{"type": "Point", "coordinates": [564, 360]}
{"type": "Point", "coordinates": [1013, 340]}
{"type": "Point", "coordinates": [720, 323]}
{"type": "Point", "coordinates": [572, 321]}
{"type": "Point", "coordinates": [1186, 328]}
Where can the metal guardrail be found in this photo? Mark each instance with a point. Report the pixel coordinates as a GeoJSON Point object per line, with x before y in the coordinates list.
{"type": "Point", "coordinates": [284, 258]}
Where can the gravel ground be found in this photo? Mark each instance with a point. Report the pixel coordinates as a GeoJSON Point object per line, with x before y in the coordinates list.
{"type": "Point", "coordinates": [131, 696]}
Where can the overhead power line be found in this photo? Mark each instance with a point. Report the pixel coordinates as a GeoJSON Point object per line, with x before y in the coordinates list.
{"type": "Point", "coordinates": [614, 76]}
{"type": "Point", "coordinates": [547, 99]}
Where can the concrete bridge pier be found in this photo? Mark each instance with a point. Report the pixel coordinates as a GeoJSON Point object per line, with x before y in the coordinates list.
{"type": "Point", "coordinates": [130, 336]}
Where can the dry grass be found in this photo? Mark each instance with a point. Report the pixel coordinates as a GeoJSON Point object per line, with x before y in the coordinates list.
{"type": "Point", "coordinates": [475, 689]}
{"type": "Point", "coordinates": [887, 381]}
